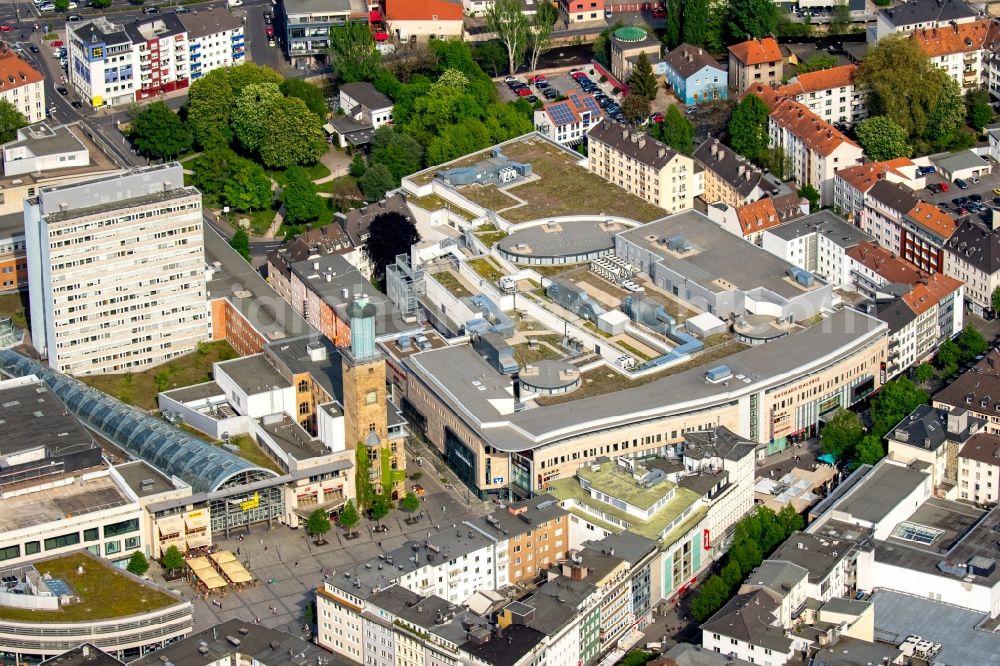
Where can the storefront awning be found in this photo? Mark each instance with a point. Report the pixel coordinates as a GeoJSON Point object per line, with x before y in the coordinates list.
{"type": "Point", "coordinates": [375, 16]}
{"type": "Point", "coordinates": [381, 36]}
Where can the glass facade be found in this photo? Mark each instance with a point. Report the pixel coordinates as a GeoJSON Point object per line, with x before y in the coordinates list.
{"type": "Point", "coordinates": [640, 592]}
{"type": "Point", "coordinates": [461, 459]}
{"type": "Point", "coordinates": [246, 508]}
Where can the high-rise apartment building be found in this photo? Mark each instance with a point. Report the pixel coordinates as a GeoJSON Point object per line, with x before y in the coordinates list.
{"type": "Point", "coordinates": [116, 271]}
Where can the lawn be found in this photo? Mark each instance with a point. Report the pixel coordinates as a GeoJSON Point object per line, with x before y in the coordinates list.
{"type": "Point", "coordinates": [433, 202]}
{"type": "Point", "coordinates": [345, 185]}
{"type": "Point", "coordinates": [642, 356]}
{"type": "Point", "coordinates": [451, 283]}
{"type": "Point", "coordinates": [486, 268]}
{"type": "Point", "coordinates": [562, 184]}
{"type": "Point", "coordinates": [325, 218]}
{"type": "Point", "coordinates": [489, 234]}
{"type": "Point", "coordinates": [140, 388]}
{"type": "Point", "coordinates": [15, 306]}
{"type": "Point", "coordinates": [104, 593]}
{"type": "Point", "coordinates": [260, 220]}
{"type": "Point", "coordinates": [524, 354]}
{"type": "Point", "coordinates": [315, 171]}
{"type": "Point", "coordinates": [250, 450]}
{"type": "Point", "coordinates": [488, 196]}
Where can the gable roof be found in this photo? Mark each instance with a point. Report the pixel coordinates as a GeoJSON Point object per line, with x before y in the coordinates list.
{"type": "Point", "coordinates": [984, 447]}
{"type": "Point", "coordinates": [925, 295]}
{"type": "Point", "coordinates": [366, 95]}
{"type": "Point", "coordinates": [933, 219]}
{"type": "Point", "coordinates": [422, 10]}
{"type": "Point", "coordinates": [757, 51]}
{"type": "Point", "coordinates": [863, 177]}
{"type": "Point", "coordinates": [571, 109]}
{"type": "Point", "coordinates": [768, 212]}
{"type": "Point", "coordinates": [876, 258]}
{"type": "Point", "coordinates": [637, 145]}
{"type": "Point", "coordinates": [824, 79]}
{"type": "Point", "coordinates": [893, 196]}
{"type": "Point", "coordinates": [928, 11]}
{"type": "Point", "coordinates": [817, 134]}
{"type": "Point", "coordinates": [737, 171]}
{"type": "Point", "coordinates": [15, 72]}
{"type": "Point", "coordinates": [748, 617]}
{"type": "Point", "coordinates": [973, 243]}
{"type": "Point", "coordinates": [956, 38]}
{"type": "Point", "coordinates": [688, 60]}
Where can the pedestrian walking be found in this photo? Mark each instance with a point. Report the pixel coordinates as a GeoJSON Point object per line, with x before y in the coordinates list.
{"type": "Point", "coordinates": [265, 549]}
{"type": "Point", "coordinates": [296, 563]}
{"type": "Point", "coordinates": [237, 551]}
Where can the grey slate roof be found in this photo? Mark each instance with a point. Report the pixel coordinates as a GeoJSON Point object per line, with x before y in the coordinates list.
{"type": "Point", "coordinates": [926, 427]}
{"type": "Point", "coordinates": [209, 21]}
{"type": "Point", "coordinates": [721, 442]}
{"type": "Point", "coordinates": [83, 655]}
{"type": "Point", "coordinates": [776, 575]}
{"type": "Point", "coordinates": [685, 654]}
{"type": "Point", "coordinates": [835, 228]}
{"type": "Point", "coordinates": [928, 11]}
{"type": "Point", "coordinates": [41, 139]}
{"type": "Point", "coordinates": [365, 94]}
{"type": "Point", "coordinates": [726, 164]}
{"type": "Point", "coordinates": [895, 313]}
{"type": "Point", "coordinates": [637, 145]}
{"type": "Point", "coordinates": [893, 196]}
{"type": "Point", "coordinates": [688, 60]}
{"type": "Point", "coordinates": [356, 221]}
{"type": "Point", "coordinates": [504, 524]}
{"type": "Point", "coordinates": [974, 244]}
{"type": "Point", "coordinates": [748, 617]}
{"type": "Point", "coordinates": [167, 24]}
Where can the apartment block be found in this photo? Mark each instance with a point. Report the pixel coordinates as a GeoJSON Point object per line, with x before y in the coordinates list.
{"type": "Point", "coordinates": [977, 390]}
{"type": "Point", "coordinates": [969, 256]}
{"type": "Point", "coordinates": [730, 178]}
{"type": "Point", "coordinates": [979, 469]}
{"type": "Point", "coordinates": [752, 220]}
{"type": "Point", "coordinates": [568, 121]}
{"type": "Point", "coordinates": [934, 436]}
{"type": "Point", "coordinates": [755, 61]}
{"type": "Point", "coordinates": [818, 243]}
{"type": "Point", "coordinates": [642, 166]}
{"type": "Point", "coordinates": [961, 50]}
{"type": "Point", "coordinates": [922, 15]}
{"type": "Point", "coordinates": [117, 271]}
{"type": "Point", "coordinates": [536, 532]}
{"type": "Point", "coordinates": [852, 184]}
{"type": "Point", "coordinates": [215, 39]}
{"type": "Point", "coordinates": [829, 93]}
{"type": "Point", "coordinates": [22, 85]}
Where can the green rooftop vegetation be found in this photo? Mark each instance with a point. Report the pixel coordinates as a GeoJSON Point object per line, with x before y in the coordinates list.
{"type": "Point", "coordinates": [104, 593]}
{"type": "Point", "coordinates": [447, 280]}
{"type": "Point", "coordinates": [486, 269]}
{"type": "Point", "coordinates": [489, 234]}
{"type": "Point", "coordinates": [434, 202]}
{"type": "Point", "coordinates": [611, 479]}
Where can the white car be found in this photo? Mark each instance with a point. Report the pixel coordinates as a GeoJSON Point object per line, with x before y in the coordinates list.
{"type": "Point", "coordinates": [234, 3]}
{"type": "Point", "coordinates": [47, 7]}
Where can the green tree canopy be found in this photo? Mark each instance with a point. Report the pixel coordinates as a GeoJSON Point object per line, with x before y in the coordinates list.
{"type": "Point", "coordinates": [971, 343]}
{"type": "Point", "coordinates": [979, 109]}
{"type": "Point", "coordinates": [11, 120]}
{"type": "Point", "coordinates": [895, 400]}
{"type": "Point", "coordinates": [297, 136]}
{"type": "Point", "coordinates": [642, 81]}
{"type": "Point", "coordinates": [842, 433]}
{"type": "Point", "coordinates": [816, 63]}
{"type": "Point", "coordinates": [410, 502]}
{"type": "Point", "coordinates": [389, 234]}
{"type": "Point", "coordinates": [751, 19]}
{"type": "Point", "coordinates": [318, 523]}
{"type": "Point", "coordinates": [137, 564]}
{"type": "Point", "coordinates": [635, 107]}
{"type": "Point", "coordinates": [249, 188]}
{"type": "Point", "coordinates": [398, 151]}
{"type": "Point", "coordinates": [676, 130]}
{"type": "Point", "coordinates": [881, 138]}
{"type": "Point", "coordinates": [348, 517]}
{"type": "Point", "coordinates": [172, 559]}
{"type": "Point", "coordinates": [490, 55]}
{"type": "Point", "coordinates": [902, 83]}
{"type": "Point", "coordinates": [810, 194]}
{"type": "Point", "coordinates": [695, 26]}
{"type": "Point", "coordinates": [380, 508]}
{"type": "Point", "coordinates": [506, 19]}
{"type": "Point", "coordinates": [211, 171]}
{"type": "Point", "coordinates": [241, 243]}
{"type": "Point", "coordinates": [712, 594]}
{"type": "Point", "coordinates": [353, 51]}
{"type": "Point", "coordinates": [251, 117]}
{"type": "Point", "coordinates": [376, 181]}
{"type": "Point", "coordinates": [947, 116]}
{"type": "Point", "coordinates": [840, 18]}
{"type": "Point", "coordinates": [995, 300]}
{"type": "Point", "coordinates": [869, 450]}
{"type": "Point", "coordinates": [156, 131]}
{"type": "Point", "coordinates": [310, 94]}
{"type": "Point", "coordinates": [924, 373]}
{"type": "Point", "coordinates": [947, 357]}
{"type": "Point", "coordinates": [673, 35]}
{"type": "Point", "coordinates": [299, 197]}
{"type": "Point", "coordinates": [211, 99]}
{"type": "Point", "coordinates": [748, 128]}
{"type": "Point", "coordinates": [540, 32]}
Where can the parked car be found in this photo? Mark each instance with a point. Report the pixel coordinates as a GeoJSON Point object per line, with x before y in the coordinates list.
{"type": "Point", "coordinates": [151, 10]}
{"type": "Point", "coordinates": [943, 187]}
{"type": "Point", "coordinates": [958, 201]}
{"type": "Point", "coordinates": [34, 49]}
{"type": "Point", "coordinates": [510, 79]}
{"type": "Point", "coordinates": [74, 18]}
{"type": "Point", "coordinates": [76, 104]}
{"type": "Point", "coordinates": [934, 188]}
{"type": "Point", "coordinates": [57, 44]}
{"type": "Point", "coordinates": [656, 117]}
{"type": "Point", "coordinates": [923, 171]}
{"type": "Point", "coordinates": [538, 78]}
{"type": "Point", "coordinates": [963, 211]}
{"type": "Point", "coordinates": [976, 197]}
{"type": "Point", "coordinates": [524, 92]}
{"type": "Point", "coordinates": [62, 90]}
{"type": "Point", "coordinates": [269, 31]}
{"type": "Point", "coordinates": [182, 10]}
{"type": "Point", "coordinates": [659, 12]}
{"type": "Point", "coordinates": [6, 28]}
{"type": "Point", "coordinates": [550, 93]}
{"type": "Point", "coordinates": [541, 85]}
{"type": "Point", "coordinates": [961, 184]}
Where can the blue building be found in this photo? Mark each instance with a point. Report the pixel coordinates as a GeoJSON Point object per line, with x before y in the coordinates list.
{"type": "Point", "coordinates": [695, 76]}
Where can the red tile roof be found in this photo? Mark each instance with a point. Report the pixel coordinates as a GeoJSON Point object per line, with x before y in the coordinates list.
{"type": "Point", "coordinates": [929, 292]}
{"type": "Point", "coordinates": [422, 10]}
{"type": "Point", "coordinates": [817, 134]}
{"type": "Point", "coordinates": [933, 219]}
{"type": "Point", "coordinates": [960, 38]}
{"type": "Point", "coordinates": [885, 263]}
{"type": "Point", "coordinates": [15, 72]}
{"type": "Point", "coordinates": [756, 51]}
{"type": "Point", "coordinates": [863, 176]}
{"type": "Point", "coordinates": [768, 212]}
{"type": "Point", "coordinates": [835, 77]}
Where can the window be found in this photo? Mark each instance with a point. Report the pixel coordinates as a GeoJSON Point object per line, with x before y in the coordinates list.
{"type": "Point", "coordinates": [131, 543]}
{"type": "Point", "coordinates": [112, 547]}
{"type": "Point", "coordinates": [123, 527]}
{"type": "Point", "coordinates": [62, 541]}
{"type": "Point", "coordinates": [303, 386]}
{"type": "Point", "coordinates": [91, 535]}
{"type": "Point", "coordinates": [32, 547]}
{"type": "Point", "coordinates": [303, 408]}
{"type": "Point", "coordinates": [10, 552]}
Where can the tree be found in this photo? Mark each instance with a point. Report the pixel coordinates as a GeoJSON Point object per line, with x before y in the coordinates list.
{"type": "Point", "coordinates": [895, 400]}
{"type": "Point", "coordinates": [809, 193]}
{"type": "Point", "coordinates": [676, 131]}
{"type": "Point", "coordinates": [410, 502]}
{"type": "Point", "coordinates": [540, 32]}
{"type": "Point", "coordinates": [695, 22]}
{"type": "Point", "coordinates": [363, 490]}
{"type": "Point", "coordinates": [302, 203]}
{"type": "Point", "coordinates": [673, 36]}
{"type": "Point", "coordinates": [348, 517]}
{"type": "Point", "coordinates": [241, 243]}
{"type": "Point", "coordinates": [397, 151]}
{"type": "Point", "coordinates": [159, 132]}
{"type": "Point", "coordinates": [251, 121]}
{"type": "Point", "coordinates": [318, 523]}
{"type": "Point", "coordinates": [995, 300]}
{"type": "Point", "coordinates": [978, 109]}
{"type": "Point", "coordinates": [840, 18]}
{"type": "Point", "coordinates": [61, 5]}
{"type": "Point", "coordinates": [249, 188]}
{"type": "Point", "coordinates": [971, 343]}
{"type": "Point", "coordinates": [380, 508]}
{"type": "Point", "coordinates": [747, 553]}
{"type": "Point", "coordinates": [816, 63]}
{"type": "Point", "coordinates": [389, 234]}
{"type": "Point", "coordinates": [642, 81]}
{"type": "Point", "coordinates": [753, 18]}
{"type": "Point", "coordinates": [358, 166]}
{"type": "Point", "coordinates": [376, 182]}
{"type": "Point", "coordinates": [352, 48]}
{"type": "Point", "coordinates": [296, 138]}
{"type": "Point", "coordinates": [212, 169]}
{"type": "Point", "coordinates": [901, 81]}
{"type": "Point", "coordinates": [869, 450]}
{"type": "Point", "coordinates": [490, 56]}
{"type": "Point", "coordinates": [311, 95]}
{"type": "Point", "coordinates": [882, 138]}
{"type": "Point", "coordinates": [635, 108]}
{"type": "Point", "coordinates": [842, 433]}
{"type": "Point", "coordinates": [100, 4]}
{"type": "Point", "coordinates": [947, 114]}
{"type": "Point", "coordinates": [636, 658]}
{"type": "Point", "coordinates": [731, 574]}
{"type": "Point", "coordinates": [711, 597]}
{"type": "Point", "coordinates": [511, 26]}
{"type": "Point", "coordinates": [137, 564]}
{"type": "Point", "coordinates": [172, 559]}
{"type": "Point", "coordinates": [924, 373]}
{"type": "Point", "coordinates": [748, 128]}
{"type": "Point", "coordinates": [211, 99]}
{"type": "Point", "coordinates": [947, 358]}
{"type": "Point", "coordinates": [790, 519]}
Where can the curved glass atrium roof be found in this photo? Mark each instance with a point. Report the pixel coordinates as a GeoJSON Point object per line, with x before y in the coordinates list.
{"type": "Point", "coordinates": [174, 452]}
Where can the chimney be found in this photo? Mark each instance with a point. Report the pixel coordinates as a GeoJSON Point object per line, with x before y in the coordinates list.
{"type": "Point", "coordinates": [642, 142]}
{"type": "Point", "coordinates": [661, 152]}
{"type": "Point", "coordinates": [715, 148]}
{"type": "Point", "coordinates": [740, 171]}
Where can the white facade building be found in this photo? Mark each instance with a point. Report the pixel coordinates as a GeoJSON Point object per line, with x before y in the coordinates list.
{"type": "Point", "coordinates": [568, 121]}
{"type": "Point", "coordinates": [22, 85]}
{"type": "Point", "coordinates": [215, 39]}
{"type": "Point", "coordinates": [830, 94]}
{"type": "Point", "coordinates": [818, 243]}
{"type": "Point", "coordinates": [117, 271]}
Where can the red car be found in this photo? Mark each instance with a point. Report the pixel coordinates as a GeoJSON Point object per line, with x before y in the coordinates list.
{"type": "Point", "coordinates": [6, 28]}
{"type": "Point", "coordinates": [269, 31]}
{"type": "Point", "coordinates": [578, 74]}
{"type": "Point", "coordinates": [56, 44]}
{"type": "Point", "coordinates": [524, 92]}
{"type": "Point", "coordinates": [537, 78]}
{"type": "Point", "coordinates": [657, 117]}
{"type": "Point", "coordinates": [659, 12]}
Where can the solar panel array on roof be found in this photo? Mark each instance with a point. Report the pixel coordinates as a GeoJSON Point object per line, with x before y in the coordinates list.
{"type": "Point", "coordinates": [169, 449]}
{"type": "Point", "coordinates": [592, 105]}
{"type": "Point", "coordinates": [561, 114]}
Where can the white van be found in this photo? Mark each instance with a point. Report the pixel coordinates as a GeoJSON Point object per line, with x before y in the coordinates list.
{"type": "Point", "coordinates": [234, 3]}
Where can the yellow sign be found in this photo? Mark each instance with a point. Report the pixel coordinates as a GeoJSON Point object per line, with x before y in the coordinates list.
{"type": "Point", "coordinates": [194, 514]}
{"type": "Point", "coordinates": [251, 503]}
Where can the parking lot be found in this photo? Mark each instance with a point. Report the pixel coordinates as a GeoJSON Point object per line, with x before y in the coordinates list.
{"type": "Point", "coordinates": [984, 189]}
{"type": "Point", "coordinates": [560, 82]}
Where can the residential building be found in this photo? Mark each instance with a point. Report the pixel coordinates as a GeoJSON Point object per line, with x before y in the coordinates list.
{"type": "Point", "coordinates": [362, 102]}
{"type": "Point", "coordinates": [751, 220]}
{"type": "Point", "coordinates": [77, 268]}
{"type": "Point", "coordinates": [536, 533]}
{"type": "Point", "coordinates": [934, 436]}
{"type": "Point", "coordinates": [215, 39]}
{"type": "Point", "coordinates": [976, 390]}
{"type": "Point", "coordinates": [254, 644]}
{"type": "Point", "coordinates": [581, 11]}
{"type": "Point", "coordinates": [412, 20]}
{"type": "Point", "coordinates": [310, 244]}
{"type": "Point", "coordinates": [922, 15]}
{"type": "Point", "coordinates": [924, 231]}
{"type": "Point", "coordinates": [972, 255]}
{"type": "Point", "coordinates": [886, 204]}
{"type": "Point", "coordinates": [627, 44]}
{"type": "Point", "coordinates": [730, 178]}
{"type": "Point", "coordinates": [641, 165]}
{"type": "Point", "coordinates": [852, 184]}
{"type": "Point", "coordinates": [747, 628]}
{"type": "Point", "coordinates": [829, 93]}
{"type": "Point", "coordinates": [685, 654]}
{"type": "Point", "coordinates": [695, 76]}
{"type": "Point", "coordinates": [979, 469]}
{"type": "Point", "coordinates": [755, 61]}
{"type": "Point", "coordinates": [993, 133]}
{"type": "Point", "coordinates": [39, 156]}
{"type": "Point", "coordinates": [961, 50]}
{"type": "Point", "coordinates": [307, 25]}
{"type": "Point", "coordinates": [817, 243]}
{"type": "Point", "coordinates": [567, 122]}
{"type": "Point", "coordinates": [356, 221]}
{"type": "Point", "coordinates": [22, 85]}
{"type": "Point", "coordinates": [816, 148]}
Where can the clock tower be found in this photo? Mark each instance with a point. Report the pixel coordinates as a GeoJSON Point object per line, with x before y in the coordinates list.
{"type": "Point", "coordinates": [365, 402]}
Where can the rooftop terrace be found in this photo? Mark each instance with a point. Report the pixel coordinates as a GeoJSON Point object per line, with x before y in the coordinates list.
{"type": "Point", "coordinates": [43, 506]}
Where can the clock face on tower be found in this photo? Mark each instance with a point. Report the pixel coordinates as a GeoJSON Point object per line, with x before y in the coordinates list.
{"type": "Point", "coordinates": [371, 397]}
